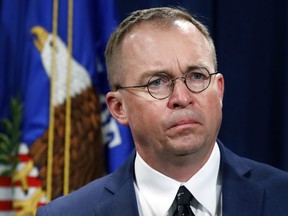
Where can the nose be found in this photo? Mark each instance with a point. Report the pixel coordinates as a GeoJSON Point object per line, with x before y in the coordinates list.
{"type": "Point", "coordinates": [181, 96]}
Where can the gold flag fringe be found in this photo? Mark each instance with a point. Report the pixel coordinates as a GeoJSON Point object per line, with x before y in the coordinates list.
{"type": "Point", "coordinates": [51, 114]}
{"type": "Point", "coordinates": [68, 101]}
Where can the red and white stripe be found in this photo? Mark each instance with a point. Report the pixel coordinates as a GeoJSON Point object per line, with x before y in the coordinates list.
{"type": "Point", "coordinates": [10, 192]}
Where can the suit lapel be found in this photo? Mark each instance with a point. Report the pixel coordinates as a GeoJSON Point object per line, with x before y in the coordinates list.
{"type": "Point", "coordinates": [124, 202]}
{"type": "Point", "coordinates": [241, 196]}
{"type": "Point", "coordinates": [120, 187]}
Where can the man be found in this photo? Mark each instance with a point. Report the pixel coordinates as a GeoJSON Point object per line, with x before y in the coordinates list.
{"type": "Point", "coordinates": [162, 70]}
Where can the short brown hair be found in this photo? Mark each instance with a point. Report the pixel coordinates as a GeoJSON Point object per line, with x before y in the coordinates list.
{"type": "Point", "coordinates": [155, 16]}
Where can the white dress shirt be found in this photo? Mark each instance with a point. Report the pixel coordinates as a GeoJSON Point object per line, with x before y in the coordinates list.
{"type": "Point", "coordinates": [156, 192]}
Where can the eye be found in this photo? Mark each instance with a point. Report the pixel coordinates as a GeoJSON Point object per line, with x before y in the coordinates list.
{"type": "Point", "coordinates": [198, 75]}
{"type": "Point", "coordinates": [157, 82]}
{"type": "Point", "coordinates": [52, 45]}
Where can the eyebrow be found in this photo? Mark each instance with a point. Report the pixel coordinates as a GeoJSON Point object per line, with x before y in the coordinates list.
{"type": "Point", "coordinates": [148, 74]}
{"type": "Point", "coordinates": [193, 67]}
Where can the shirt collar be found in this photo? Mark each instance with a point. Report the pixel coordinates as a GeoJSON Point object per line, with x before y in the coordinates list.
{"type": "Point", "coordinates": [203, 185]}
{"type": "Point", "coordinates": [155, 186]}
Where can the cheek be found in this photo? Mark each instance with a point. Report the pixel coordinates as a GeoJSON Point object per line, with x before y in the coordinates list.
{"type": "Point", "coordinates": [214, 110]}
{"type": "Point", "coordinates": [146, 116]}
{"type": "Point", "coordinates": [211, 106]}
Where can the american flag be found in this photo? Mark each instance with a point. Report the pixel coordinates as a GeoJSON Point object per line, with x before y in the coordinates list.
{"type": "Point", "coordinates": [21, 194]}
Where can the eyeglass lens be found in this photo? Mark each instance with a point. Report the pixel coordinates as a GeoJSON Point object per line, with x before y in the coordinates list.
{"type": "Point", "coordinates": [161, 86]}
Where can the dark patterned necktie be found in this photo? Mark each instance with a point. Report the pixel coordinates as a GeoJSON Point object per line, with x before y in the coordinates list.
{"type": "Point", "coordinates": [183, 199]}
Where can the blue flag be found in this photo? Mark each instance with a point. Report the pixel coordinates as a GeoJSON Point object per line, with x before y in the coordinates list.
{"type": "Point", "coordinates": [26, 44]}
{"type": "Point", "coordinates": [117, 138]}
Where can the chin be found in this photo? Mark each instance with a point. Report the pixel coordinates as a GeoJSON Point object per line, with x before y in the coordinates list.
{"type": "Point", "coordinates": [187, 148]}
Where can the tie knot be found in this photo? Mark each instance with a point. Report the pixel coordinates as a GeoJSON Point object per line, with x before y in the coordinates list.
{"type": "Point", "coordinates": [184, 196]}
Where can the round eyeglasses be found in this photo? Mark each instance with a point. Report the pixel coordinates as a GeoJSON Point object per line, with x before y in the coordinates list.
{"type": "Point", "coordinates": [161, 86]}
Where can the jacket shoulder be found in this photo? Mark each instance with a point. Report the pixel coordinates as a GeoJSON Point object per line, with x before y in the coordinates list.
{"type": "Point", "coordinates": [263, 175]}
{"type": "Point", "coordinates": [267, 175]}
{"type": "Point", "coordinates": [96, 194]}
{"type": "Point", "coordinates": [79, 202]}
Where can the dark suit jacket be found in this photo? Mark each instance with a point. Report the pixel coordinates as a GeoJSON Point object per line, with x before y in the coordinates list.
{"type": "Point", "coordinates": [249, 188]}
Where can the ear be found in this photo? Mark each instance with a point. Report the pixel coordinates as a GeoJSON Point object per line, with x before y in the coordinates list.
{"type": "Point", "coordinates": [115, 106]}
{"type": "Point", "coordinates": [220, 86]}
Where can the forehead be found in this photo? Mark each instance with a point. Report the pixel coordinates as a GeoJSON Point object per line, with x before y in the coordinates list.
{"type": "Point", "coordinates": [180, 25]}
{"type": "Point", "coordinates": [156, 31]}
{"type": "Point", "coordinates": [160, 47]}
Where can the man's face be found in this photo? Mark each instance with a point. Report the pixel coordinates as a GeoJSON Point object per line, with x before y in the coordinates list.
{"type": "Point", "coordinates": [185, 123]}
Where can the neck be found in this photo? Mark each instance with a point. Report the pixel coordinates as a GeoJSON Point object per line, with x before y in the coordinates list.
{"type": "Point", "coordinates": [178, 167]}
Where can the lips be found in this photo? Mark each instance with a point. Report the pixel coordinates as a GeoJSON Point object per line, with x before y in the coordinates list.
{"type": "Point", "coordinates": [185, 122]}
{"type": "Point", "coordinates": [183, 125]}
{"type": "Point", "coordinates": [183, 118]}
